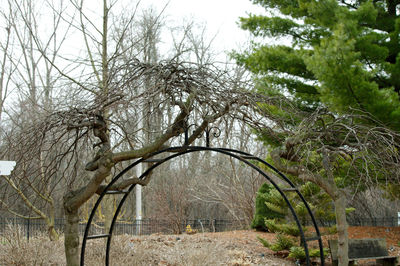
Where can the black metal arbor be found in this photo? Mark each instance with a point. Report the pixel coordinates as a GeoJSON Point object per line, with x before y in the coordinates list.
{"type": "Point", "coordinates": [244, 157]}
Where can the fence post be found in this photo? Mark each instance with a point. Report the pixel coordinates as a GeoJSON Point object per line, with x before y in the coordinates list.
{"type": "Point", "coordinates": [202, 228]}
{"type": "Point", "coordinates": [28, 228]}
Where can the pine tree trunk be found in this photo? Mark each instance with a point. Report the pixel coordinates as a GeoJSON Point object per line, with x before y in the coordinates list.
{"type": "Point", "coordinates": [343, 236]}
{"type": "Point", "coordinates": [71, 240]}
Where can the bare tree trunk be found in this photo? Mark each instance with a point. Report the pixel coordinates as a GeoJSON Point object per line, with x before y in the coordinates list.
{"type": "Point", "coordinates": [343, 236]}
{"type": "Point", "coordinates": [108, 208]}
{"type": "Point", "coordinates": [108, 201]}
{"type": "Point", "coordinates": [339, 201]}
{"type": "Point", "coordinates": [71, 242]}
{"type": "Point", "coordinates": [53, 235]}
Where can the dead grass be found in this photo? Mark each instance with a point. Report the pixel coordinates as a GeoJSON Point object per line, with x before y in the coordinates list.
{"type": "Point", "coordinates": [16, 250]}
{"type": "Point", "coordinates": [171, 250]}
{"type": "Point", "coordinates": [227, 248]}
{"type": "Point", "coordinates": [230, 248]}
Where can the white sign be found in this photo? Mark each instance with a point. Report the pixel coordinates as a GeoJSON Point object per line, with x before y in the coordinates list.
{"type": "Point", "coordinates": [398, 220]}
{"type": "Point", "coordinates": [6, 167]}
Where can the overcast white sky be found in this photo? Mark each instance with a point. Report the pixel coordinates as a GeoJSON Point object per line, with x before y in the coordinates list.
{"type": "Point", "coordinates": [220, 16]}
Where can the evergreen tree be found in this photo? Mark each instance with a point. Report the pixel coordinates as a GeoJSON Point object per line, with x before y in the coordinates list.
{"type": "Point", "coordinates": [288, 234]}
{"type": "Point", "coordinates": [336, 65]}
{"type": "Point", "coordinates": [262, 211]}
{"type": "Point", "coordinates": [343, 54]}
{"type": "Point", "coordinates": [270, 205]}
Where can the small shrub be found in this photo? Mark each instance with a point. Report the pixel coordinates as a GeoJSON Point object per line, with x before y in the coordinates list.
{"type": "Point", "coordinates": [272, 226]}
{"type": "Point", "coordinates": [291, 229]}
{"type": "Point", "coordinates": [264, 242]}
{"type": "Point", "coordinates": [283, 242]}
{"type": "Point", "coordinates": [315, 253]}
{"type": "Point", "coordinates": [297, 253]}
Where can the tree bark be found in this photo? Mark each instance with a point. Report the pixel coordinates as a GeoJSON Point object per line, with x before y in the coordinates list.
{"type": "Point", "coordinates": [53, 235]}
{"type": "Point", "coordinates": [343, 236]}
{"type": "Point", "coordinates": [50, 220]}
{"type": "Point", "coordinates": [71, 240]}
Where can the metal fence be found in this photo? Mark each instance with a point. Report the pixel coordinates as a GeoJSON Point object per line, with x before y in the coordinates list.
{"type": "Point", "coordinates": [31, 227]}
{"type": "Point", "coordinates": [150, 226]}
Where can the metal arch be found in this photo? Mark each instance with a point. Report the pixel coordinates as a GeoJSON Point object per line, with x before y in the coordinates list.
{"type": "Point", "coordinates": [178, 151]}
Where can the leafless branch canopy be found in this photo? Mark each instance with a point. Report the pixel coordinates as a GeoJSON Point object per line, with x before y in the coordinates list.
{"type": "Point", "coordinates": [100, 121]}
{"type": "Point", "coordinates": [356, 147]}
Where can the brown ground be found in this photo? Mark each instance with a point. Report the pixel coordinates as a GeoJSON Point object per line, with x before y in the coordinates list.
{"type": "Point", "coordinates": [241, 247]}
{"type": "Point", "coordinates": [227, 248]}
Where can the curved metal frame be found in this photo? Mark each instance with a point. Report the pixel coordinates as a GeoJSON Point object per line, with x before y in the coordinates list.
{"type": "Point", "coordinates": [241, 156]}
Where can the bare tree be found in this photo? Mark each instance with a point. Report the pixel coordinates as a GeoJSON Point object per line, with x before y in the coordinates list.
{"type": "Point", "coordinates": [171, 198]}
{"type": "Point", "coordinates": [184, 86]}
{"type": "Point", "coordinates": [33, 77]}
{"type": "Point", "coordinates": [6, 67]}
{"type": "Point", "coordinates": [232, 185]}
{"type": "Point", "coordinates": [100, 101]}
{"type": "Point", "coordinates": [338, 153]}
